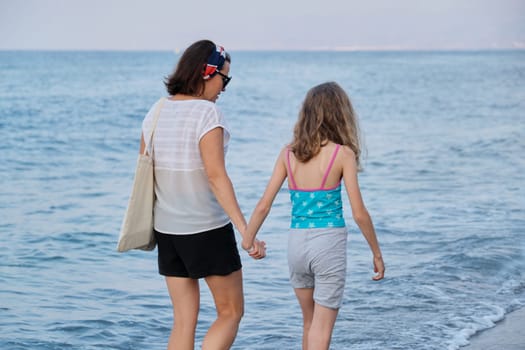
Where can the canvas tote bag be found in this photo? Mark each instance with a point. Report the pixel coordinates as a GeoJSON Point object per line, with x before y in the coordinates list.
{"type": "Point", "coordinates": [137, 227]}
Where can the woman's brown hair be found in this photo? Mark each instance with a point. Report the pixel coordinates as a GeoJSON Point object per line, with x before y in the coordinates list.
{"type": "Point", "coordinates": [326, 115]}
{"type": "Point", "coordinates": [187, 78]}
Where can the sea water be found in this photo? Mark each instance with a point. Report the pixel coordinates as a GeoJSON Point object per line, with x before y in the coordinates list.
{"type": "Point", "coordinates": [443, 179]}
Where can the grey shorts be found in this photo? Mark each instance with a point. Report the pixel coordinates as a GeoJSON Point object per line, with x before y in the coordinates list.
{"type": "Point", "coordinates": [317, 259]}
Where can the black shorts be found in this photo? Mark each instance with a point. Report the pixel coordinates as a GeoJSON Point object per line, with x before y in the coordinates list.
{"type": "Point", "coordinates": [198, 255]}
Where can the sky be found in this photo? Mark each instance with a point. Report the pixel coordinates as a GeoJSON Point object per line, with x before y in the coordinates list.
{"type": "Point", "coordinates": [262, 25]}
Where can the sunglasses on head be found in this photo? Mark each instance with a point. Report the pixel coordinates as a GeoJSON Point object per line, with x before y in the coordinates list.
{"type": "Point", "coordinates": [225, 79]}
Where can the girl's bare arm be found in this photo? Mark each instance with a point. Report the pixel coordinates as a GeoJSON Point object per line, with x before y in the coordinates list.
{"type": "Point", "coordinates": [264, 205]}
{"type": "Point", "coordinates": [359, 211]}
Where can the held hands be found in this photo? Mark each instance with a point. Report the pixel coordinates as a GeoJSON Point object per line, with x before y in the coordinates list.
{"type": "Point", "coordinates": [257, 250]}
{"type": "Point", "coordinates": [379, 268]}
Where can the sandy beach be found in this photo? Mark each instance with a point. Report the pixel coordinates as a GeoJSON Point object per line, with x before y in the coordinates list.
{"type": "Point", "coordinates": [506, 335]}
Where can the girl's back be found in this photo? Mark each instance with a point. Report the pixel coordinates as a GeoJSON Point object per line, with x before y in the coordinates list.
{"type": "Point", "coordinates": [309, 175]}
{"type": "Point", "coordinates": [315, 189]}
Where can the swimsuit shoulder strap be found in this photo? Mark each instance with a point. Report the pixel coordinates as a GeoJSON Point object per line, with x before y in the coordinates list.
{"type": "Point", "coordinates": [292, 180]}
{"type": "Point", "coordinates": [330, 165]}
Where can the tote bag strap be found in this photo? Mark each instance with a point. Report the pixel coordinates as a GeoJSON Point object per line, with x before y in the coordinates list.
{"type": "Point", "coordinates": [149, 144]}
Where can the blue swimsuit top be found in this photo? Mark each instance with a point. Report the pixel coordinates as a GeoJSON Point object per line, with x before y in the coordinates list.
{"type": "Point", "coordinates": [316, 208]}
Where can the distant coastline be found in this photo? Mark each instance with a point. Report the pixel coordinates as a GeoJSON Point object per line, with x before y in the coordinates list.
{"type": "Point", "coordinates": [315, 49]}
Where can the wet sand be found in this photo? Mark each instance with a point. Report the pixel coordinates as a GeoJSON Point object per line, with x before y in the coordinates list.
{"type": "Point", "coordinates": [509, 334]}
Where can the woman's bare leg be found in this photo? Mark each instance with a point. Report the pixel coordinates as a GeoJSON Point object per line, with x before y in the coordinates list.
{"type": "Point", "coordinates": [229, 301]}
{"type": "Point", "coordinates": [185, 298]}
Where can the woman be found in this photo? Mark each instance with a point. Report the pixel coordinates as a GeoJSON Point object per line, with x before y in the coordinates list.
{"type": "Point", "coordinates": [196, 203]}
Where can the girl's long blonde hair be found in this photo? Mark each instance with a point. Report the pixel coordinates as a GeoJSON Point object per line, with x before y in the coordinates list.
{"type": "Point", "coordinates": [326, 115]}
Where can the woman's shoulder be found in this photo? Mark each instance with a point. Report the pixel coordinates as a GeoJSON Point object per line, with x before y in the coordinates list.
{"type": "Point", "coordinates": [193, 102]}
{"type": "Point", "coordinates": [153, 110]}
{"type": "Point", "coordinates": [209, 107]}
{"type": "Point", "coordinates": [200, 110]}
{"type": "Point", "coordinates": [206, 103]}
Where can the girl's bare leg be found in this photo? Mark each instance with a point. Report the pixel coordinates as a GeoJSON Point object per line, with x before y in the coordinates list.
{"type": "Point", "coordinates": [306, 301]}
{"type": "Point", "coordinates": [321, 329]}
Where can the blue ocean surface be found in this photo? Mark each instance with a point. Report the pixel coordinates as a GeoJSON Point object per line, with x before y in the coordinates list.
{"type": "Point", "coordinates": [444, 181]}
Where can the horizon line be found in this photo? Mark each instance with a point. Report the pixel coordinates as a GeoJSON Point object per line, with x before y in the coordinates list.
{"type": "Point", "coordinates": [315, 49]}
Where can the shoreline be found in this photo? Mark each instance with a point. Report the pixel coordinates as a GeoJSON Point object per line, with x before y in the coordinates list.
{"type": "Point", "coordinates": [507, 334]}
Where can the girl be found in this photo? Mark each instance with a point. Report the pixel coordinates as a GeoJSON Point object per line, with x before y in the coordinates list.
{"type": "Point", "coordinates": [325, 150]}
